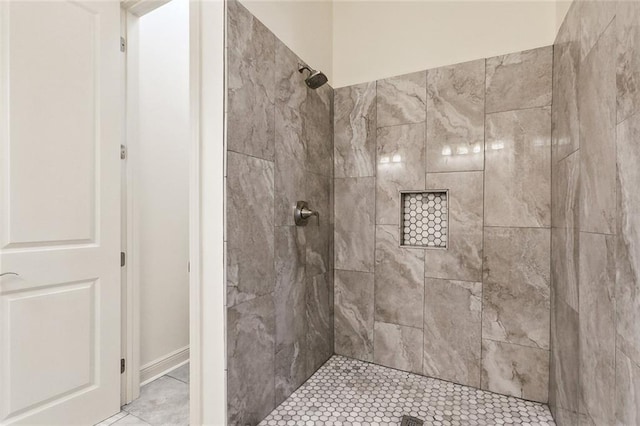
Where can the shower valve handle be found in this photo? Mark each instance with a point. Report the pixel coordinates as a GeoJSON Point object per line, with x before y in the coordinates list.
{"type": "Point", "coordinates": [303, 213]}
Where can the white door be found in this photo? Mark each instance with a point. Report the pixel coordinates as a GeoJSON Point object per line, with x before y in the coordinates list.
{"type": "Point", "coordinates": [59, 211]}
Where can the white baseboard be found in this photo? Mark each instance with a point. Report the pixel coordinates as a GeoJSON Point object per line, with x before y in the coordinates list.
{"type": "Point", "coordinates": [161, 366]}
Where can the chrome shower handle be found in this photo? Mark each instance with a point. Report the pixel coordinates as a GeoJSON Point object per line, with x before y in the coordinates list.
{"type": "Point", "coordinates": [9, 273]}
{"type": "Point", "coordinates": [303, 213]}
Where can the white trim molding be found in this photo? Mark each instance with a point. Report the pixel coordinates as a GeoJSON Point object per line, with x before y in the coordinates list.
{"type": "Point", "coordinates": [207, 308]}
{"type": "Point", "coordinates": [161, 366]}
{"type": "Point", "coordinates": [142, 7]}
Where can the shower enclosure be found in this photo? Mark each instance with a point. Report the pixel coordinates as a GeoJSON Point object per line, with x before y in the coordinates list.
{"type": "Point", "coordinates": [474, 229]}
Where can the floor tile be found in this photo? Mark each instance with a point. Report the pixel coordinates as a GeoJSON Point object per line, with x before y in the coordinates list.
{"type": "Point", "coordinates": [181, 373]}
{"type": "Point", "coordinates": [164, 401]}
{"type": "Point", "coordinates": [347, 391]}
{"type": "Point", "coordinates": [131, 420]}
{"type": "Point", "coordinates": [111, 420]}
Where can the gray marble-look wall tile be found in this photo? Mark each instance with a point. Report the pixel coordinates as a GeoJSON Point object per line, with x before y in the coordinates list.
{"type": "Point", "coordinates": [627, 390]}
{"type": "Point", "coordinates": [563, 417]}
{"type": "Point", "coordinates": [290, 163]}
{"type": "Point", "coordinates": [564, 110]}
{"type": "Point", "coordinates": [517, 168]}
{"type": "Point", "coordinates": [354, 235]}
{"type": "Point", "coordinates": [250, 378]}
{"type": "Point", "coordinates": [319, 314]}
{"type": "Point", "coordinates": [290, 146]}
{"type": "Point", "coordinates": [318, 230]}
{"type": "Point", "coordinates": [564, 264]}
{"type": "Point", "coordinates": [291, 90]}
{"type": "Point", "coordinates": [399, 280]}
{"type": "Point", "coordinates": [564, 373]}
{"type": "Point", "coordinates": [519, 80]}
{"type": "Point", "coordinates": [462, 260]}
{"type": "Point", "coordinates": [355, 130]}
{"type": "Point", "coordinates": [628, 238]}
{"type": "Point", "coordinates": [402, 99]}
{"type": "Point", "coordinates": [290, 370]}
{"type": "Point", "coordinates": [553, 379]}
{"type": "Point", "coordinates": [400, 166]}
{"type": "Point", "coordinates": [516, 286]}
{"type": "Point", "coordinates": [319, 130]}
{"type": "Point", "coordinates": [597, 327]}
{"type": "Point", "coordinates": [628, 64]}
{"type": "Point", "coordinates": [251, 84]}
{"type": "Point", "coordinates": [397, 346]}
{"type": "Point", "coordinates": [452, 347]}
{"type": "Point", "coordinates": [354, 306]}
{"type": "Point", "coordinates": [570, 25]}
{"type": "Point", "coordinates": [595, 17]}
{"type": "Point", "coordinates": [515, 370]}
{"type": "Point", "coordinates": [250, 183]}
{"type": "Point", "coordinates": [332, 207]}
{"type": "Point", "coordinates": [274, 115]}
{"type": "Point", "coordinates": [455, 117]}
{"type": "Point", "coordinates": [564, 234]}
{"type": "Point", "coordinates": [597, 106]}
{"type": "Point", "coordinates": [565, 192]}
{"type": "Point", "coordinates": [312, 115]}
{"type": "Point", "coordinates": [290, 308]}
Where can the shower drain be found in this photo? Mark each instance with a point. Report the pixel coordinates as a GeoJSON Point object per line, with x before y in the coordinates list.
{"type": "Point", "coordinates": [411, 421]}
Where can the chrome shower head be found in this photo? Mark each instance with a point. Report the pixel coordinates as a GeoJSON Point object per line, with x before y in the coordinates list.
{"type": "Point", "coordinates": [315, 79]}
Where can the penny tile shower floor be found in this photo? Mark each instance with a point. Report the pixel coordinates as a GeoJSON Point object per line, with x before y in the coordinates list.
{"type": "Point", "coordinates": [347, 392]}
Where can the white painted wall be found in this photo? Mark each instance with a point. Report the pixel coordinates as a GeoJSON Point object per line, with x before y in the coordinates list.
{"type": "Point", "coordinates": [354, 41]}
{"type": "Point", "coordinates": [162, 181]}
{"type": "Point", "coordinates": [305, 26]}
{"type": "Point", "coordinates": [378, 39]}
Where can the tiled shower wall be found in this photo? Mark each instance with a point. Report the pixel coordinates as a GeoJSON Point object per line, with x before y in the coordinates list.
{"type": "Point", "coordinates": [595, 321]}
{"type": "Point", "coordinates": [279, 276]}
{"type": "Point", "coordinates": [476, 313]}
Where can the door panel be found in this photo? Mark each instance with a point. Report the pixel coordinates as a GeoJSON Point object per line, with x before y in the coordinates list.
{"type": "Point", "coordinates": [54, 84]}
{"type": "Point", "coordinates": [60, 212]}
{"type": "Point", "coordinates": [68, 369]}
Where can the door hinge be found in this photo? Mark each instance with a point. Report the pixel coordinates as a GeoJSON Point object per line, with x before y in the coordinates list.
{"type": "Point", "coordinates": [123, 152]}
{"type": "Point", "coordinates": [123, 259]}
{"type": "Point", "coordinates": [123, 44]}
{"type": "Point", "coordinates": [188, 266]}
{"type": "Point", "coordinates": [123, 365]}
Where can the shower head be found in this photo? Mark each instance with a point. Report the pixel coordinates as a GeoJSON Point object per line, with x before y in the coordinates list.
{"type": "Point", "coordinates": [315, 79]}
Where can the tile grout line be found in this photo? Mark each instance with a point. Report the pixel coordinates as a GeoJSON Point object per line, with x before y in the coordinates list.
{"type": "Point", "coordinates": [616, 229]}
{"type": "Point", "coordinates": [484, 178]}
{"type": "Point", "coordinates": [516, 227]}
{"type": "Point", "coordinates": [401, 231]}
{"type": "Point", "coordinates": [375, 231]}
{"type": "Point", "coordinates": [551, 209]}
{"type": "Point", "coordinates": [518, 109]}
{"type": "Point", "coordinates": [517, 344]}
{"type": "Point", "coordinates": [398, 125]}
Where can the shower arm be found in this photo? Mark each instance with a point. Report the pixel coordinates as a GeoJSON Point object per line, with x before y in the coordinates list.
{"type": "Point", "coordinates": [303, 67]}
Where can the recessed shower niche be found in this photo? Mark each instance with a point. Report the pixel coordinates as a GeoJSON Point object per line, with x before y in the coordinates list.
{"type": "Point", "coordinates": [424, 219]}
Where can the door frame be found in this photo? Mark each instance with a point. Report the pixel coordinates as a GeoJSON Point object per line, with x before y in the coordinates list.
{"type": "Point", "coordinates": [207, 165]}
